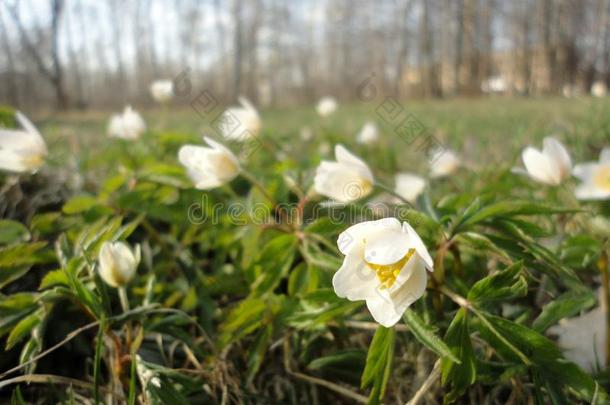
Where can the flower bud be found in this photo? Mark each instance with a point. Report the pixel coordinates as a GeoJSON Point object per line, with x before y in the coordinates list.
{"type": "Point", "coordinates": [117, 263]}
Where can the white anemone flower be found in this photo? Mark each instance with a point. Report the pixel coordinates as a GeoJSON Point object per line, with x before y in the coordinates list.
{"type": "Point", "coordinates": [326, 106]}
{"type": "Point", "coordinates": [162, 90]}
{"type": "Point", "coordinates": [348, 179]}
{"type": "Point", "coordinates": [22, 150]}
{"type": "Point", "coordinates": [595, 177]}
{"type": "Point", "coordinates": [583, 339]}
{"type": "Point", "coordinates": [241, 123]}
{"type": "Point", "coordinates": [118, 263]}
{"type": "Point", "coordinates": [550, 166]}
{"type": "Point", "coordinates": [385, 264]}
{"type": "Point", "coordinates": [209, 167]}
{"type": "Point", "coordinates": [443, 162]}
{"type": "Point", "coordinates": [129, 125]}
{"type": "Point", "coordinates": [369, 134]}
{"type": "Point", "coordinates": [409, 186]}
{"type": "Point", "coordinates": [599, 89]}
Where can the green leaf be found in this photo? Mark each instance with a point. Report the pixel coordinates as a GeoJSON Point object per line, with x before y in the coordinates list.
{"type": "Point", "coordinates": [346, 365]}
{"type": "Point", "coordinates": [242, 320]}
{"type": "Point", "coordinates": [14, 308]}
{"type": "Point", "coordinates": [379, 363]}
{"type": "Point", "coordinates": [303, 279]}
{"type": "Point", "coordinates": [517, 342]}
{"type": "Point", "coordinates": [78, 204]}
{"type": "Point", "coordinates": [480, 244]}
{"type": "Point", "coordinates": [460, 375]}
{"type": "Point", "coordinates": [474, 214]}
{"type": "Point", "coordinates": [257, 352]}
{"type": "Point", "coordinates": [427, 336]}
{"type": "Point", "coordinates": [23, 254]}
{"type": "Point", "coordinates": [504, 285]}
{"type": "Point", "coordinates": [566, 305]}
{"type": "Point", "coordinates": [569, 375]}
{"type": "Point", "coordinates": [273, 263]}
{"type": "Point", "coordinates": [24, 327]}
{"type": "Point", "coordinates": [13, 231]}
{"type": "Point", "coordinates": [53, 278]}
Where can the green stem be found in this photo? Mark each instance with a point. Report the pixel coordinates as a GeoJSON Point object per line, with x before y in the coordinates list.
{"type": "Point", "coordinates": [248, 176]}
{"type": "Point", "coordinates": [123, 299]}
{"type": "Point", "coordinates": [390, 191]}
{"type": "Point", "coordinates": [602, 265]}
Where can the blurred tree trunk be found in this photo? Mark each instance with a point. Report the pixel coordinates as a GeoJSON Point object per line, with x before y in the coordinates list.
{"type": "Point", "coordinates": [151, 40]}
{"type": "Point", "coordinates": [471, 55]}
{"type": "Point", "coordinates": [118, 45]}
{"type": "Point", "coordinates": [526, 63]}
{"type": "Point", "coordinates": [11, 79]}
{"type": "Point", "coordinates": [222, 86]}
{"type": "Point", "coordinates": [594, 53]}
{"type": "Point", "coordinates": [54, 73]}
{"type": "Point", "coordinates": [459, 43]}
{"type": "Point", "coordinates": [84, 53]}
{"type": "Point", "coordinates": [255, 25]}
{"type": "Point", "coordinates": [237, 47]}
{"type": "Point", "coordinates": [428, 64]}
{"type": "Point", "coordinates": [486, 36]}
{"type": "Point", "coordinates": [545, 19]}
{"type": "Point", "coordinates": [74, 62]}
{"type": "Point", "coordinates": [403, 47]}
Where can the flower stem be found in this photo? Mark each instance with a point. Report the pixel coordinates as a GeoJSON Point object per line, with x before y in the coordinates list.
{"type": "Point", "coordinates": [602, 265]}
{"type": "Point", "coordinates": [123, 299]}
{"type": "Point", "coordinates": [390, 191]}
{"type": "Point", "coordinates": [252, 179]}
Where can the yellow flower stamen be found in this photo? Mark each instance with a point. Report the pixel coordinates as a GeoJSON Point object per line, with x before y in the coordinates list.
{"type": "Point", "coordinates": [387, 273]}
{"type": "Point", "coordinates": [601, 178]}
{"type": "Point", "coordinates": [33, 161]}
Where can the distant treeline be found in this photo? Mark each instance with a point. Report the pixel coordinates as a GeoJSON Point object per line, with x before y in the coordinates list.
{"type": "Point", "coordinates": [88, 54]}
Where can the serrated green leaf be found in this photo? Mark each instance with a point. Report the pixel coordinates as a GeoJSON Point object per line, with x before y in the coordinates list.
{"type": "Point", "coordinates": [426, 335]}
{"type": "Point", "coordinates": [378, 363]}
{"type": "Point", "coordinates": [475, 214]}
{"type": "Point", "coordinates": [566, 305]}
{"type": "Point", "coordinates": [504, 285]}
{"type": "Point", "coordinates": [273, 263]}
{"type": "Point", "coordinates": [464, 374]}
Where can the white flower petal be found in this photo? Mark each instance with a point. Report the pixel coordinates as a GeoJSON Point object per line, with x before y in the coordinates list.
{"type": "Point", "coordinates": [604, 156]}
{"type": "Point", "coordinates": [12, 161]}
{"type": "Point", "coordinates": [355, 280]}
{"type": "Point", "coordinates": [356, 234]}
{"type": "Point", "coordinates": [443, 162]}
{"type": "Point", "coordinates": [558, 154]}
{"type": "Point", "coordinates": [409, 186]}
{"type": "Point", "coordinates": [31, 129]}
{"type": "Point", "coordinates": [588, 191]}
{"type": "Point", "coordinates": [117, 263]}
{"type": "Point", "coordinates": [386, 247]}
{"type": "Point", "coordinates": [345, 156]}
{"type": "Point", "coordinates": [540, 167]}
{"type": "Point", "coordinates": [417, 244]}
{"type": "Point", "coordinates": [368, 134]}
{"type": "Point", "coordinates": [585, 171]}
{"type": "Point", "coordinates": [412, 289]}
{"type": "Point", "coordinates": [383, 311]}
{"type": "Point", "coordinates": [583, 339]}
